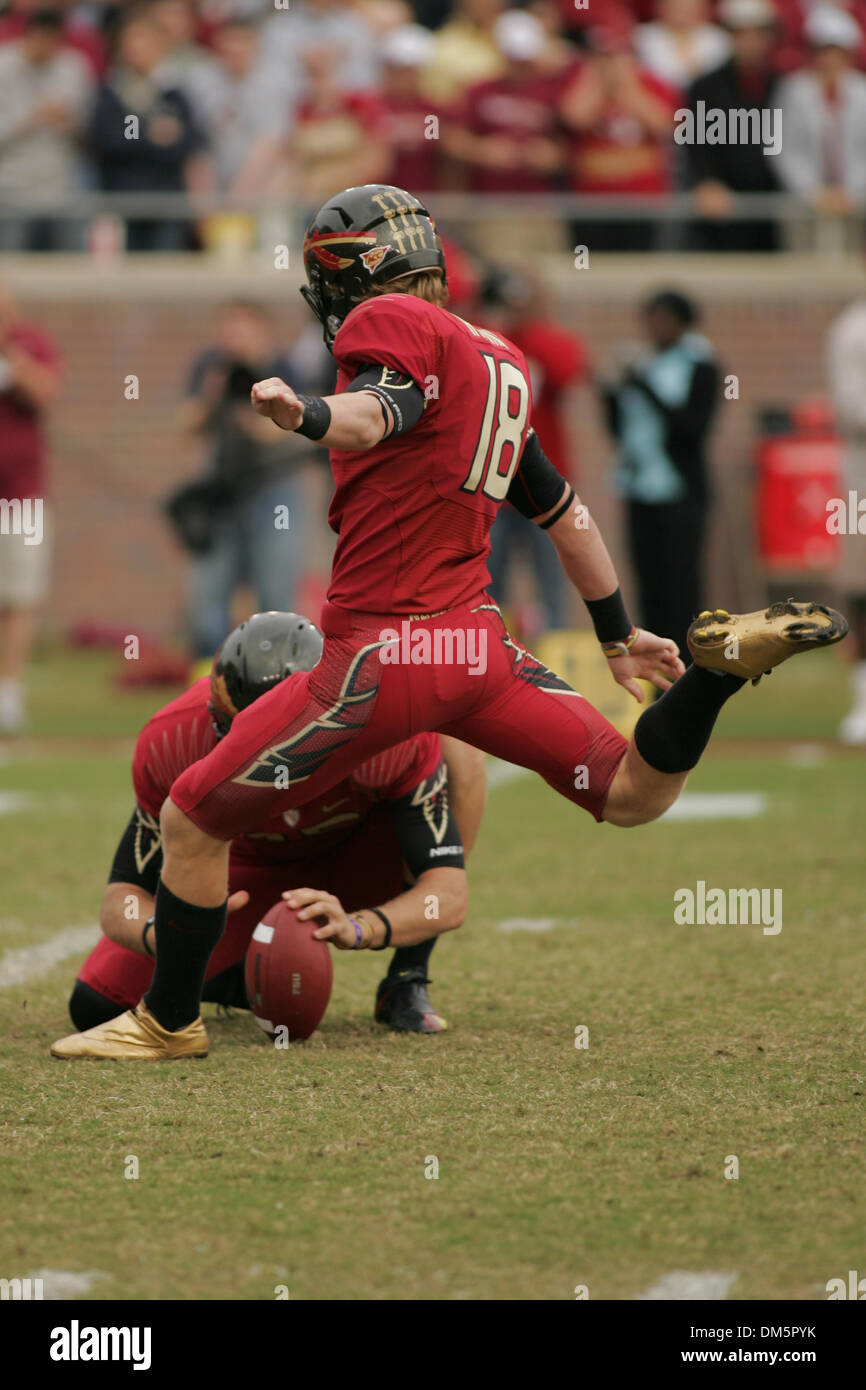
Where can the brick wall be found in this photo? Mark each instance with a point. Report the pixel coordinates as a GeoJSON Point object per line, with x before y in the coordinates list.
{"type": "Point", "coordinates": [114, 459]}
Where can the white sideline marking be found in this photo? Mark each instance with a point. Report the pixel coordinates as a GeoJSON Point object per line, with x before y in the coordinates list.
{"type": "Point", "coordinates": [60, 1284]}
{"type": "Point", "coordinates": [682, 1286]}
{"type": "Point", "coordinates": [30, 962]}
{"type": "Point", "coordinates": [717, 806]}
{"type": "Point", "coordinates": [13, 801]}
{"type": "Point", "coordinates": [536, 924]}
{"type": "Point", "coordinates": [690, 805]}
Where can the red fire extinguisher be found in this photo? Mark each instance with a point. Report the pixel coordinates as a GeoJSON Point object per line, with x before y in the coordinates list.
{"type": "Point", "coordinates": [799, 470]}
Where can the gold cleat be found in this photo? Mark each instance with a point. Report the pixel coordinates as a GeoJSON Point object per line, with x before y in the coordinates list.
{"type": "Point", "coordinates": [751, 644]}
{"type": "Point", "coordinates": [135, 1035]}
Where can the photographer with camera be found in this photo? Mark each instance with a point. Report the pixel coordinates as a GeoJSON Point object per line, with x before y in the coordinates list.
{"type": "Point", "coordinates": [244, 519]}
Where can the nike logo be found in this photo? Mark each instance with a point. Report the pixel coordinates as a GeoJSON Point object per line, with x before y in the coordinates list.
{"type": "Point", "coordinates": [334, 804]}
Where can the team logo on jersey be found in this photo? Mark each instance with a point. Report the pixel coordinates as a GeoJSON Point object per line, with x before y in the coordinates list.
{"type": "Point", "coordinates": [148, 838]}
{"type": "Point", "coordinates": [292, 817]}
{"type": "Point", "coordinates": [374, 257]}
{"type": "Point", "coordinates": [430, 796]}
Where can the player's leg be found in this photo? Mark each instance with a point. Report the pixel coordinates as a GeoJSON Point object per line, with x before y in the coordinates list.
{"type": "Point", "coordinates": [537, 721]}
{"type": "Point", "coordinates": [293, 743]}
{"type": "Point", "coordinates": [111, 980]}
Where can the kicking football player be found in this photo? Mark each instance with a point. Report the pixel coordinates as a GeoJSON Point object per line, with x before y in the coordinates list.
{"type": "Point", "coordinates": [352, 843]}
{"type": "Point", "coordinates": [429, 432]}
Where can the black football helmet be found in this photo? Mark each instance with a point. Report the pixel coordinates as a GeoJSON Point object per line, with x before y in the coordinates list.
{"type": "Point", "coordinates": [259, 654]}
{"type": "Point", "coordinates": [363, 237]}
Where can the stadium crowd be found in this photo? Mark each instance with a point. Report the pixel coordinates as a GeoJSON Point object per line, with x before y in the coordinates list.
{"type": "Point", "coordinates": [245, 101]}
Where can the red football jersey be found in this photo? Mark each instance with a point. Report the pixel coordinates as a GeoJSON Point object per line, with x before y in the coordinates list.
{"type": "Point", "coordinates": [181, 733]}
{"type": "Point", "coordinates": [413, 514]}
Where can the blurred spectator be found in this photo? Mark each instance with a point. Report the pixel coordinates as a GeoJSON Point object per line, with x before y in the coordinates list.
{"type": "Point", "coordinates": [241, 99]}
{"type": "Point", "coordinates": [339, 138]}
{"type": "Point", "coordinates": [621, 117]}
{"type": "Point", "coordinates": [717, 172]}
{"type": "Point", "coordinates": [823, 156]}
{"type": "Point", "coordinates": [252, 471]}
{"type": "Point", "coordinates": [178, 21]}
{"type": "Point", "coordinates": [846, 367]}
{"type": "Point", "coordinates": [29, 382]}
{"type": "Point", "coordinates": [44, 92]}
{"type": "Point", "coordinates": [508, 134]}
{"type": "Point", "coordinates": [414, 144]}
{"type": "Point", "coordinates": [76, 30]}
{"type": "Point", "coordinates": [681, 45]}
{"type": "Point", "coordinates": [619, 14]}
{"type": "Point", "coordinates": [659, 412]}
{"type": "Point", "coordinates": [466, 50]}
{"type": "Point", "coordinates": [792, 49]}
{"type": "Point", "coordinates": [324, 24]}
{"type": "Point", "coordinates": [513, 304]}
{"type": "Point", "coordinates": [159, 153]}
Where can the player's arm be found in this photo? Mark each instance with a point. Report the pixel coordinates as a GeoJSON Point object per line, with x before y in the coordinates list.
{"type": "Point", "coordinates": [467, 787]}
{"type": "Point", "coordinates": [129, 900]}
{"type": "Point", "coordinates": [435, 903]}
{"type": "Point", "coordinates": [378, 403]}
{"type": "Point", "coordinates": [541, 494]}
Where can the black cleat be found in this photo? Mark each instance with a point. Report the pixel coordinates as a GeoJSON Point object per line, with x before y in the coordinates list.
{"type": "Point", "coordinates": [227, 990]}
{"type": "Point", "coordinates": [403, 1004]}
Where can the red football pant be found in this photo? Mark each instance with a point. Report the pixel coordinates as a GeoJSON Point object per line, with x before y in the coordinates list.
{"type": "Point", "coordinates": [365, 869]}
{"type": "Point", "coordinates": [458, 672]}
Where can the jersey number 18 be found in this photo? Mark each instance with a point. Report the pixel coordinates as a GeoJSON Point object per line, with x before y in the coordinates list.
{"type": "Point", "coordinates": [500, 427]}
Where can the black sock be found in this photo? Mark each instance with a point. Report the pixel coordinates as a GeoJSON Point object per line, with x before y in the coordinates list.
{"type": "Point", "coordinates": [185, 937]}
{"type": "Point", "coordinates": [411, 957]}
{"type": "Point", "coordinates": [672, 734]}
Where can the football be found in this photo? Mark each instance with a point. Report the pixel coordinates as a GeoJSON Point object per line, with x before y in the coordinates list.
{"type": "Point", "coordinates": [288, 974]}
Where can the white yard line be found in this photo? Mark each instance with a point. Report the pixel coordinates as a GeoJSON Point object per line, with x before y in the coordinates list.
{"type": "Point", "coordinates": [60, 1284]}
{"type": "Point", "coordinates": [31, 962]}
{"type": "Point", "coordinates": [683, 1286]}
{"type": "Point", "coordinates": [535, 924]}
{"type": "Point", "coordinates": [13, 801]}
{"type": "Point", "coordinates": [717, 806]}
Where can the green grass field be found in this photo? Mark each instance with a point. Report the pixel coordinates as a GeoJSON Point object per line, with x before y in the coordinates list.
{"type": "Point", "coordinates": [602, 1166]}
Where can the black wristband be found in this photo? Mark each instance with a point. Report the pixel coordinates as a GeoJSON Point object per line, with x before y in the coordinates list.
{"type": "Point", "coordinates": [151, 922]}
{"type": "Point", "coordinates": [609, 618]}
{"type": "Point", "coordinates": [387, 942]}
{"type": "Point", "coordinates": [317, 417]}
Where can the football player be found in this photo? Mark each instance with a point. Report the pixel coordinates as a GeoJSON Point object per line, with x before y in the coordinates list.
{"type": "Point", "coordinates": [429, 431]}
{"type": "Point", "coordinates": [388, 821]}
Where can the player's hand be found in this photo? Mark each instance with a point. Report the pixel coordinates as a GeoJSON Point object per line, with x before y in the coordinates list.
{"type": "Point", "coordinates": [313, 902]}
{"type": "Point", "coordinates": [650, 658]}
{"type": "Point", "coordinates": [276, 401]}
{"type": "Point", "coordinates": [238, 899]}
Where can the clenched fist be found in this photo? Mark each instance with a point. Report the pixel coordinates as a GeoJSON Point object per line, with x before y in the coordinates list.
{"type": "Point", "coordinates": [276, 401]}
